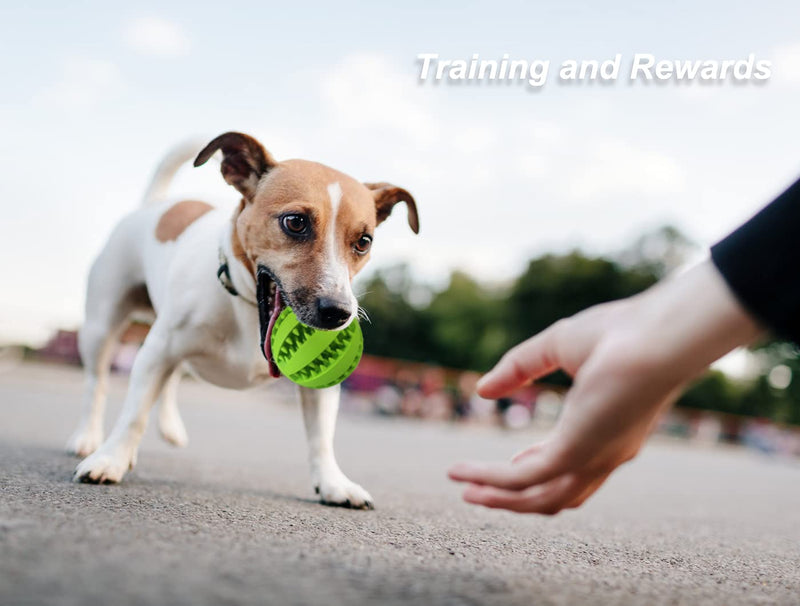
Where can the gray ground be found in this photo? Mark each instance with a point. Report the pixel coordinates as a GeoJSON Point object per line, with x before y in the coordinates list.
{"type": "Point", "coordinates": [230, 519]}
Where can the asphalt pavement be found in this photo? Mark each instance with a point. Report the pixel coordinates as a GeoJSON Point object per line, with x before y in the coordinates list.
{"type": "Point", "coordinates": [231, 519]}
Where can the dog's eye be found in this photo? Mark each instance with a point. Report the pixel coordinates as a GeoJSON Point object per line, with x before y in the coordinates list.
{"type": "Point", "coordinates": [295, 225]}
{"type": "Point", "coordinates": [363, 244]}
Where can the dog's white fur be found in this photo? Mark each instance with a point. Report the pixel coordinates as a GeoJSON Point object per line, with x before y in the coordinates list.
{"type": "Point", "coordinates": [198, 324]}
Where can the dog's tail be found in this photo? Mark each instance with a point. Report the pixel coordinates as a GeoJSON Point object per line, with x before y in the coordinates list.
{"type": "Point", "coordinates": [165, 172]}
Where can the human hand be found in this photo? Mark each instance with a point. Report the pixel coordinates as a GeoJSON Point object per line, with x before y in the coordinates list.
{"type": "Point", "coordinates": [630, 359]}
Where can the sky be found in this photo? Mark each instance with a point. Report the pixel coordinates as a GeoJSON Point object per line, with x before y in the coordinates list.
{"type": "Point", "coordinates": [95, 93]}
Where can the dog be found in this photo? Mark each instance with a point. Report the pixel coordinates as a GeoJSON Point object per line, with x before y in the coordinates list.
{"type": "Point", "coordinates": [214, 287]}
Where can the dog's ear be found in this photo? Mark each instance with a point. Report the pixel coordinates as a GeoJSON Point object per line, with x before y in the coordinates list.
{"type": "Point", "coordinates": [386, 196]}
{"type": "Point", "coordinates": [244, 161]}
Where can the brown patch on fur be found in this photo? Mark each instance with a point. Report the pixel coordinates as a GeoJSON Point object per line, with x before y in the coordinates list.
{"type": "Point", "coordinates": [178, 217]}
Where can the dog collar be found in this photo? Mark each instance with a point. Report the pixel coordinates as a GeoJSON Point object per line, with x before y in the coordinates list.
{"type": "Point", "coordinates": [224, 277]}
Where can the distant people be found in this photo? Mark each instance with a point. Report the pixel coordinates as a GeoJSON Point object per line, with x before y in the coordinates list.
{"type": "Point", "coordinates": [631, 359]}
{"type": "Point", "coordinates": [388, 399]}
{"type": "Point", "coordinates": [502, 405]}
{"type": "Point", "coordinates": [465, 390]}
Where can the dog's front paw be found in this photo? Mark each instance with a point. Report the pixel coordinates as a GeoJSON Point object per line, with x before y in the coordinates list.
{"type": "Point", "coordinates": [339, 491]}
{"type": "Point", "coordinates": [104, 467]}
{"type": "Point", "coordinates": [84, 442]}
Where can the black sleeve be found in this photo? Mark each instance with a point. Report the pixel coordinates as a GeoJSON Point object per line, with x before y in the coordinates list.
{"type": "Point", "coordinates": [760, 261]}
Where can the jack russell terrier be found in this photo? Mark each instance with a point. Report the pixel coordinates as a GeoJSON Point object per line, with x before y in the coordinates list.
{"type": "Point", "coordinates": [300, 233]}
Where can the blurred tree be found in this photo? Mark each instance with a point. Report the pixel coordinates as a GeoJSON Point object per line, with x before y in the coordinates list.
{"type": "Point", "coordinates": [467, 324]}
{"type": "Point", "coordinates": [659, 252]}
{"type": "Point", "coordinates": [714, 391]}
{"type": "Point", "coordinates": [555, 287]}
{"type": "Point", "coordinates": [395, 328]}
{"type": "Point", "coordinates": [767, 397]}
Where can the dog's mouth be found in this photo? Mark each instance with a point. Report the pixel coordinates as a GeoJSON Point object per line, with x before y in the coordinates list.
{"type": "Point", "coordinates": [270, 305]}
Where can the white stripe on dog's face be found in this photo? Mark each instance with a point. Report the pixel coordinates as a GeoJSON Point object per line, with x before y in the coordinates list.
{"type": "Point", "coordinates": [337, 274]}
{"type": "Point", "coordinates": [335, 194]}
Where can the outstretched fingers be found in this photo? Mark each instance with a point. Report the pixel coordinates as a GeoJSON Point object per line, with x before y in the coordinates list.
{"type": "Point", "coordinates": [546, 499]}
{"type": "Point", "coordinates": [536, 469]}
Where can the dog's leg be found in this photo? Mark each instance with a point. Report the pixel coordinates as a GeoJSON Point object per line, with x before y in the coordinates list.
{"type": "Point", "coordinates": [170, 424]}
{"type": "Point", "coordinates": [96, 341]}
{"type": "Point", "coordinates": [319, 413]}
{"type": "Point", "coordinates": [117, 454]}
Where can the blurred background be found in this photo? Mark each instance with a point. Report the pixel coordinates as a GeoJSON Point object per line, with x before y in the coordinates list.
{"type": "Point", "coordinates": [534, 203]}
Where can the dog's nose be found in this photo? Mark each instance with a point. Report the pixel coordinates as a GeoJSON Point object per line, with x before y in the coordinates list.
{"type": "Point", "coordinates": [331, 313]}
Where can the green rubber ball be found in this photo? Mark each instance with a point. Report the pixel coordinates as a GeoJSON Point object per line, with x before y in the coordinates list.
{"type": "Point", "coordinates": [315, 358]}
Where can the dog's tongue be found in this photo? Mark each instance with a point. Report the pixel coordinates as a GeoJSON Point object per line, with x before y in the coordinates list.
{"type": "Point", "coordinates": [277, 307]}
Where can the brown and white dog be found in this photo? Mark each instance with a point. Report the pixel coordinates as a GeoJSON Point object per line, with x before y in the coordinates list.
{"type": "Point", "coordinates": [301, 232]}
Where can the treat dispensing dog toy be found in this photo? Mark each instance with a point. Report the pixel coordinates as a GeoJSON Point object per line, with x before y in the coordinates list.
{"type": "Point", "coordinates": [315, 358]}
